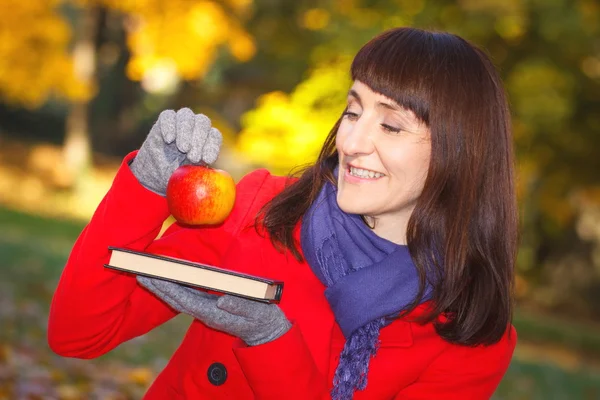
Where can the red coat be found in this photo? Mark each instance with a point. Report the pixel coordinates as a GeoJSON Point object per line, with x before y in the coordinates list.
{"type": "Point", "coordinates": [95, 309]}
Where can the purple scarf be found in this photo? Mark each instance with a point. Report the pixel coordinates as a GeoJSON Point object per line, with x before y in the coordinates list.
{"type": "Point", "coordinates": [368, 279]}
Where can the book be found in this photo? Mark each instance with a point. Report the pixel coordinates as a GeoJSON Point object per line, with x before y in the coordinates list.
{"type": "Point", "coordinates": [195, 274]}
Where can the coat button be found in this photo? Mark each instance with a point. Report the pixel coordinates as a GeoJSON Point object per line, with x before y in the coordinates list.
{"type": "Point", "coordinates": [217, 374]}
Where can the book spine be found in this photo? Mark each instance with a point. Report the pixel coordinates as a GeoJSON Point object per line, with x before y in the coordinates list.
{"type": "Point", "coordinates": [278, 293]}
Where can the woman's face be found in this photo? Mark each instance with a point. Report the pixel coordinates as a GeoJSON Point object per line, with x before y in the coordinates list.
{"type": "Point", "coordinates": [384, 153]}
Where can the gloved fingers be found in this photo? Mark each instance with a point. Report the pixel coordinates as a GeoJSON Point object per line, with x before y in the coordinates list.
{"type": "Point", "coordinates": [154, 285]}
{"type": "Point", "coordinates": [200, 135]}
{"type": "Point", "coordinates": [238, 305]}
{"type": "Point", "coordinates": [167, 123]}
{"type": "Point", "coordinates": [199, 293]}
{"type": "Point", "coordinates": [206, 310]}
{"type": "Point", "coordinates": [145, 282]}
{"type": "Point", "coordinates": [194, 302]}
{"type": "Point", "coordinates": [185, 129]}
{"type": "Point", "coordinates": [233, 324]}
{"type": "Point", "coordinates": [180, 297]}
{"type": "Point", "coordinates": [211, 149]}
{"type": "Point", "coordinates": [187, 161]}
{"type": "Point", "coordinates": [177, 290]}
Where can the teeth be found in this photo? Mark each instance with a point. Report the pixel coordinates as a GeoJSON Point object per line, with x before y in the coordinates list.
{"type": "Point", "coordinates": [365, 173]}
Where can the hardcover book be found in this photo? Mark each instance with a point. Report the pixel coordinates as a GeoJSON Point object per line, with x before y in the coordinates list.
{"type": "Point", "coordinates": [195, 274]}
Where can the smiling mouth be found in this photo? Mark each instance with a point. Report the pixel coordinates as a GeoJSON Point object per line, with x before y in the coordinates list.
{"type": "Point", "coordinates": [364, 173]}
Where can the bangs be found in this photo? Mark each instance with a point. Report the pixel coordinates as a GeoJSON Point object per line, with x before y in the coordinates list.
{"type": "Point", "coordinates": [399, 64]}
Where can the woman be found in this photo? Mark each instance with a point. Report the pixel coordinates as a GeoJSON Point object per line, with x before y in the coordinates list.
{"type": "Point", "coordinates": [396, 247]}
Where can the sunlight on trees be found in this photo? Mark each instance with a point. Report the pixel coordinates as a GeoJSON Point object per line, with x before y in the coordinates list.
{"type": "Point", "coordinates": [178, 39]}
{"type": "Point", "coordinates": [183, 34]}
{"type": "Point", "coordinates": [288, 130]}
{"type": "Point", "coordinates": [42, 54]}
{"type": "Point", "coordinates": [34, 58]}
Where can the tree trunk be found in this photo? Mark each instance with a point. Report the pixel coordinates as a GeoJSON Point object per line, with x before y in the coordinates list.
{"type": "Point", "coordinates": [77, 152]}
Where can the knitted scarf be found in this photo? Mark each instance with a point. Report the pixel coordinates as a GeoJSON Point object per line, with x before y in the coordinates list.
{"type": "Point", "coordinates": [368, 279]}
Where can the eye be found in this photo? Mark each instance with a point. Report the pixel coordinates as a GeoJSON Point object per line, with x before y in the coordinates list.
{"type": "Point", "coordinates": [390, 129]}
{"type": "Point", "coordinates": [350, 115]}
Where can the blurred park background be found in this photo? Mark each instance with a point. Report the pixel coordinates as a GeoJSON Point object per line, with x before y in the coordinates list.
{"type": "Point", "coordinates": [81, 83]}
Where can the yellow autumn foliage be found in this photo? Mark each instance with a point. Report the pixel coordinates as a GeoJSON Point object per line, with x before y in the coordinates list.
{"type": "Point", "coordinates": [34, 59]}
{"type": "Point", "coordinates": [284, 131]}
{"type": "Point", "coordinates": [178, 36]}
{"type": "Point", "coordinates": [316, 19]}
{"type": "Point", "coordinates": [182, 33]}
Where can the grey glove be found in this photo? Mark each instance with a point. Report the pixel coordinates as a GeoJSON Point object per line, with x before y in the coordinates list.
{"type": "Point", "coordinates": [174, 140]}
{"type": "Point", "coordinates": [252, 321]}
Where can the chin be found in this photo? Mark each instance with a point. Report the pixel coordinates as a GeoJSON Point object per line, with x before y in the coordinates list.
{"type": "Point", "coordinates": [351, 205]}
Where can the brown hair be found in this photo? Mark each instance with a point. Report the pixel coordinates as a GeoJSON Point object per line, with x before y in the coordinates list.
{"type": "Point", "coordinates": [462, 234]}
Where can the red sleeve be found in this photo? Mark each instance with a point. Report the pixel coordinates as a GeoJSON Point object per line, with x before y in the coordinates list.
{"type": "Point", "coordinates": [95, 309]}
{"type": "Point", "coordinates": [292, 371]}
{"type": "Point", "coordinates": [464, 373]}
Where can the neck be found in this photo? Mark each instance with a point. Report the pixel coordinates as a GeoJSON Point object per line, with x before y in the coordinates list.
{"type": "Point", "coordinates": [392, 228]}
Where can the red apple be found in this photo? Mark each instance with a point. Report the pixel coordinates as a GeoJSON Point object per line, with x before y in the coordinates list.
{"type": "Point", "coordinates": [199, 195]}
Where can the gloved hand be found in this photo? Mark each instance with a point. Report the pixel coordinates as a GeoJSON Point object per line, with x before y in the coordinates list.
{"type": "Point", "coordinates": [174, 140]}
{"type": "Point", "coordinates": [252, 321]}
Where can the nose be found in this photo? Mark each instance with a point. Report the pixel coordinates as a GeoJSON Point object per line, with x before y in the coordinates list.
{"type": "Point", "coordinates": [357, 139]}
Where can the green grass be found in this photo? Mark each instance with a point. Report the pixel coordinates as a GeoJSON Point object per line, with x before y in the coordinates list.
{"type": "Point", "coordinates": [33, 251]}
{"type": "Point", "coordinates": [545, 329]}
{"type": "Point", "coordinates": [528, 381]}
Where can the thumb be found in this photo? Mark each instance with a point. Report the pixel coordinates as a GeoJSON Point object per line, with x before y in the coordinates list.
{"type": "Point", "coordinates": [237, 305]}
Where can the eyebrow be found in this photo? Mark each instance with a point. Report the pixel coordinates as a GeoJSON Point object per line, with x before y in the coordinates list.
{"type": "Point", "coordinates": [389, 106]}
